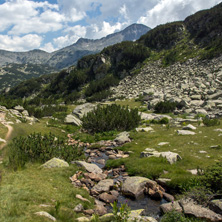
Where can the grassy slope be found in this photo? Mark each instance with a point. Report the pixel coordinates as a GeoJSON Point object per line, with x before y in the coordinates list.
{"type": "Point", "coordinates": [22, 192]}
{"type": "Point", "coordinates": [187, 146]}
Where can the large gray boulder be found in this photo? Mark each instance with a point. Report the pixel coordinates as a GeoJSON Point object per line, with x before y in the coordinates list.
{"type": "Point", "coordinates": [45, 214]}
{"type": "Point", "coordinates": [19, 108]}
{"type": "Point", "coordinates": [83, 109]}
{"type": "Point", "coordinates": [191, 208]}
{"type": "Point", "coordinates": [215, 95]}
{"type": "Point", "coordinates": [189, 127]}
{"type": "Point", "coordinates": [167, 207]}
{"type": "Point", "coordinates": [185, 132]}
{"type": "Point", "coordinates": [135, 186]}
{"type": "Point", "coordinates": [170, 156]}
{"type": "Point", "coordinates": [92, 168]}
{"type": "Point", "coordinates": [216, 206]}
{"type": "Point", "coordinates": [122, 138]}
{"type": "Point", "coordinates": [72, 119]}
{"type": "Point", "coordinates": [103, 186]}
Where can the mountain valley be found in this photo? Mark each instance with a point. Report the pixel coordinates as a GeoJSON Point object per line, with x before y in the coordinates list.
{"type": "Point", "coordinates": [131, 132]}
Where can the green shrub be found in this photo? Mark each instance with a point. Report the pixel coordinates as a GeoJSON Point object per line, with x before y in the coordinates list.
{"type": "Point", "coordinates": [212, 177]}
{"type": "Point", "coordinates": [169, 58]}
{"type": "Point", "coordinates": [165, 107]}
{"type": "Point", "coordinates": [101, 85]}
{"type": "Point", "coordinates": [120, 214]}
{"type": "Point", "coordinates": [99, 96]}
{"type": "Point", "coordinates": [174, 216]}
{"type": "Point", "coordinates": [164, 120]}
{"type": "Point", "coordinates": [211, 122]}
{"type": "Point", "coordinates": [47, 110]}
{"type": "Point", "coordinates": [112, 117]}
{"type": "Point", "coordinates": [38, 148]}
{"type": "Point", "coordinates": [200, 195]}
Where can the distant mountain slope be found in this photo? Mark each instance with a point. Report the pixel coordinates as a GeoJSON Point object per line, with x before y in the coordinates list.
{"type": "Point", "coordinates": [12, 74]}
{"type": "Point", "coordinates": [69, 55]}
{"type": "Point", "coordinates": [13, 65]}
{"type": "Point", "coordinates": [199, 37]}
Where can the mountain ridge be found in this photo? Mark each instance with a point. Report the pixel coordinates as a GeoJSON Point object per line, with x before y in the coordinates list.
{"type": "Point", "coordinates": [69, 55]}
{"type": "Point", "coordinates": [169, 43]}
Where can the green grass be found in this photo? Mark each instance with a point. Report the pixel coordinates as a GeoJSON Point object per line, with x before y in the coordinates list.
{"type": "Point", "coordinates": [22, 129]}
{"type": "Point", "coordinates": [22, 192]}
{"type": "Point", "coordinates": [187, 147]}
{"type": "Point", "coordinates": [129, 102]}
{"type": "Point", "coordinates": [3, 131]}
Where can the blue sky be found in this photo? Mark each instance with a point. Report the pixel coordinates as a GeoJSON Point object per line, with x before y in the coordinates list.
{"type": "Point", "coordinates": [52, 24]}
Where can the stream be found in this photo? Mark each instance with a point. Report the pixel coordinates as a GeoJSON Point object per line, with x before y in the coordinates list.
{"type": "Point", "coordinates": [151, 207]}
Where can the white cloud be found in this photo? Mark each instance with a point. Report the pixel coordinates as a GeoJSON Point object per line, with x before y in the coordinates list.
{"type": "Point", "coordinates": [174, 10]}
{"type": "Point", "coordinates": [15, 43]}
{"type": "Point", "coordinates": [105, 28]}
{"type": "Point", "coordinates": [48, 47]}
{"type": "Point", "coordinates": [72, 35]}
{"type": "Point", "coordinates": [23, 18]}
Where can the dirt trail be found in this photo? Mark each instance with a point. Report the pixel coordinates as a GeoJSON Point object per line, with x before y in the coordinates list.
{"type": "Point", "coordinates": [10, 129]}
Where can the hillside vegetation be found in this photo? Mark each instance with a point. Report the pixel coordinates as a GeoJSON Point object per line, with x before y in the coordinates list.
{"type": "Point", "coordinates": [198, 36]}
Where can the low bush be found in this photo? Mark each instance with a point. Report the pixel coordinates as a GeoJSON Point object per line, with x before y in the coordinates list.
{"type": "Point", "coordinates": [200, 195]}
{"type": "Point", "coordinates": [161, 121]}
{"type": "Point", "coordinates": [99, 96]}
{"type": "Point", "coordinates": [113, 117]}
{"type": "Point", "coordinates": [47, 110]}
{"type": "Point", "coordinates": [165, 107]}
{"type": "Point", "coordinates": [174, 216]}
{"type": "Point", "coordinates": [38, 148]}
{"type": "Point", "coordinates": [211, 122]}
{"type": "Point", "coordinates": [212, 177]}
{"type": "Point", "coordinates": [101, 85]}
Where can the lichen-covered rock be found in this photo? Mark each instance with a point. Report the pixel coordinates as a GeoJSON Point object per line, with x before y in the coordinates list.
{"type": "Point", "coordinates": [92, 168]}
{"type": "Point", "coordinates": [72, 119]}
{"type": "Point", "coordinates": [189, 127]}
{"type": "Point", "coordinates": [83, 109]}
{"type": "Point", "coordinates": [216, 206]}
{"type": "Point", "coordinates": [55, 162]}
{"type": "Point", "coordinates": [170, 156]}
{"type": "Point", "coordinates": [45, 214]}
{"type": "Point", "coordinates": [135, 186]}
{"type": "Point", "coordinates": [167, 207]}
{"type": "Point", "coordinates": [122, 138]}
{"type": "Point", "coordinates": [185, 132]}
{"type": "Point", "coordinates": [191, 208]}
{"type": "Point", "coordinates": [103, 186]}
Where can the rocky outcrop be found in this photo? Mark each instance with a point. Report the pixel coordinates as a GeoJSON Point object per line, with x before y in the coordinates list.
{"type": "Point", "coordinates": [194, 84]}
{"type": "Point", "coordinates": [103, 186]}
{"type": "Point", "coordinates": [83, 109]}
{"type": "Point", "coordinates": [70, 119]}
{"type": "Point", "coordinates": [45, 214]}
{"type": "Point", "coordinates": [170, 156]}
{"type": "Point", "coordinates": [189, 207]}
{"type": "Point", "coordinates": [122, 138]}
{"type": "Point", "coordinates": [185, 132]}
{"type": "Point", "coordinates": [92, 168]}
